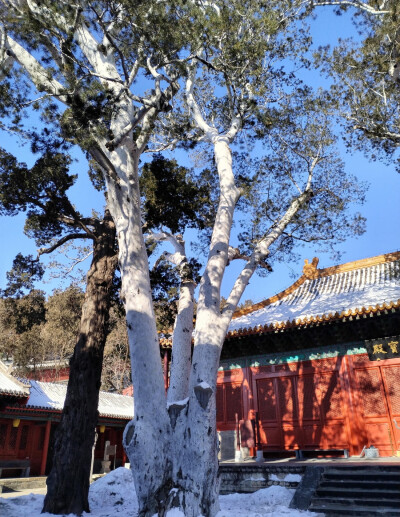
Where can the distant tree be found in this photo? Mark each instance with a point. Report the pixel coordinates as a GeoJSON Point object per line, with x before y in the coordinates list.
{"type": "Point", "coordinates": [35, 330]}
{"type": "Point", "coordinates": [21, 322]}
{"type": "Point", "coordinates": [245, 304]}
{"type": "Point", "coordinates": [116, 373]}
{"type": "Point", "coordinates": [63, 314]}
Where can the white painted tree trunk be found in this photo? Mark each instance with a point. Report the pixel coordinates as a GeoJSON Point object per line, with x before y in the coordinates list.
{"type": "Point", "coordinates": [194, 445]}
{"type": "Point", "coordinates": [147, 436]}
{"type": "Point", "coordinates": [194, 439]}
{"type": "Point", "coordinates": [182, 349]}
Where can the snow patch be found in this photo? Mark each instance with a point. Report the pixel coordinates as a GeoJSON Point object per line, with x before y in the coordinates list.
{"type": "Point", "coordinates": [178, 403]}
{"type": "Point", "coordinates": [204, 385]}
{"type": "Point", "coordinates": [288, 477]}
{"type": "Point", "coordinates": [115, 490]}
{"type": "Point", "coordinates": [114, 495]}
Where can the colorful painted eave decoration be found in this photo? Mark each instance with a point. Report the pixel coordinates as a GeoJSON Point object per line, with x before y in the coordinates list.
{"type": "Point", "coordinates": [302, 322]}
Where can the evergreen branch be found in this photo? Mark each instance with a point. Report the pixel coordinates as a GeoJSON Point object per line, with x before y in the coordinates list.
{"type": "Point", "coordinates": [135, 68]}
{"type": "Point", "coordinates": [63, 240]}
{"type": "Point", "coordinates": [309, 239]}
{"type": "Point", "coordinates": [379, 133]}
{"type": "Point", "coordinates": [164, 147]}
{"type": "Point", "coordinates": [160, 103]}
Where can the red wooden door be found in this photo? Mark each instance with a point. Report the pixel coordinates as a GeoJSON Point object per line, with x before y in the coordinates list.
{"type": "Point", "coordinates": [270, 433]}
{"type": "Point", "coordinates": [37, 432]}
{"type": "Point", "coordinates": [302, 406]}
{"type": "Point", "coordinates": [331, 394]}
{"type": "Point", "coordinates": [9, 437]}
{"type": "Point", "coordinates": [23, 445]}
{"type": "Point", "coordinates": [377, 387]}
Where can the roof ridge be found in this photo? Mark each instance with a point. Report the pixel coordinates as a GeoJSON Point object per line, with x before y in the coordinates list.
{"type": "Point", "coordinates": [63, 385]}
{"type": "Point", "coordinates": [311, 272]}
{"type": "Point", "coordinates": [7, 371]}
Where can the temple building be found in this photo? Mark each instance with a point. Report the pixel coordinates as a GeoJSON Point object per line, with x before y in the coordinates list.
{"type": "Point", "coordinates": [29, 414]}
{"type": "Point", "coordinates": [317, 366]}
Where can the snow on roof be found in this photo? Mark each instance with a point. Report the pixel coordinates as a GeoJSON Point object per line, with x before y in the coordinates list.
{"type": "Point", "coordinates": [50, 395]}
{"type": "Point", "coordinates": [328, 292]}
{"type": "Point", "coordinates": [11, 386]}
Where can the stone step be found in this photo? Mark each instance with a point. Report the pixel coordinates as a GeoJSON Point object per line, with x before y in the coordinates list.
{"type": "Point", "coordinates": [354, 484]}
{"type": "Point", "coordinates": [360, 475]}
{"type": "Point", "coordinates": [364, 511]}
{"type": "Point", "coordinates": [354, 492]}
{"type": "Point", "coordinates": [12, 484]}
{"type": "Point", "coordinates": [349, 502]}
{"type": "Point", "coordinates": [379, 469]}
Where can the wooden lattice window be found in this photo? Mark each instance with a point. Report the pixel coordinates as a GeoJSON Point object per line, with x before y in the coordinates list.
{"type": "Point", "coordinates": [392, 375]}
{"type": "Point", "coordinates": [24, 438]}
{"type": "Point", "coordinates": [265, 369]}
{"type": "Point", "coordinates": [286, 397]}
{"type": "Point", "coordinates": [12, 440]}
{"type": "Point", "coordinates": [3, 433]}
{"type": "Point", "coordinates": [330, 396]}
{"type": "Point", "coordinates": [371, 392]}
{"type": "Point", "coordinates": [266, 399]}
{"type": "Point", "coordinates": [233, 400]}
{"type": "Point", "coordinates": [287, 367]}
{"type": "Point", "coordinates": [308, 402]}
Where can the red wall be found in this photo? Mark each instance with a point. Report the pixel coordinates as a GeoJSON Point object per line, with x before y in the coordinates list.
{"type": "Point", "coordinates": [342, 402]}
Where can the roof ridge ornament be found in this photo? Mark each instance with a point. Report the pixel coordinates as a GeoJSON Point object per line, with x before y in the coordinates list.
{"type": "Point", "coordinates": [310, 271]}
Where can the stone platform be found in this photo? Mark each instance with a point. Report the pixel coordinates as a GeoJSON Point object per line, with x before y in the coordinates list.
{"type": "Point", "coordinates": [250, 475]}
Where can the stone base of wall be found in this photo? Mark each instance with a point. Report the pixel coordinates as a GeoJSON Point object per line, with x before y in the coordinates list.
{"type": "Point", "coordinates": [249, 478]}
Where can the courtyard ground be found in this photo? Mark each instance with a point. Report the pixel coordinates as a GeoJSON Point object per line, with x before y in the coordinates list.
{"type": "Point", "coordinates": [114, 495]}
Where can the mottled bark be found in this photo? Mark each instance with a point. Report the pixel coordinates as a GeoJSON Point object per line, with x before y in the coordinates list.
{"type": "Point", "coordinates": [68, 481]}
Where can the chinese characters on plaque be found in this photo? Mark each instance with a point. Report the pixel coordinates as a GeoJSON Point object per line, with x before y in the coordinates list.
{"type": "Point", "coordinates": [384, 348]}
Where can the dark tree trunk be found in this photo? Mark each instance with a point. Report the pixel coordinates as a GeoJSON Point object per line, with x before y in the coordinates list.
{"type": "Point", "coordinates": [68, 481]}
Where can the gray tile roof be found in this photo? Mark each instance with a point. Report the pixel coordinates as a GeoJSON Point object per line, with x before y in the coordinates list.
{"type": "Point", "coordinates": [11, 386]}
{"type": "Point", "coordinates": [50, 395]}
{"type": "Point", "coordinates": [333, 291]}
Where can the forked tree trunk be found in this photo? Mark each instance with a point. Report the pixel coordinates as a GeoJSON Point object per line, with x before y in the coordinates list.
{"type": "Point", "coordinates": [68, 481]}
{"type": "Point", "coordinates": [195, 462]}
{"type": "Point", "coordinates": [188, 474]}
{"type": "Point", "coordinates": [174, 456]}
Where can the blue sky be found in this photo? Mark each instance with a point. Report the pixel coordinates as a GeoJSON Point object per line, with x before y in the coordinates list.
{"type": "Point", "coordinates": [382, 207]}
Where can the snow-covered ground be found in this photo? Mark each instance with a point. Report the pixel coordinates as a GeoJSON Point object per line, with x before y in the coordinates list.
{"type": "Point", "coordinates": [114, 495]}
